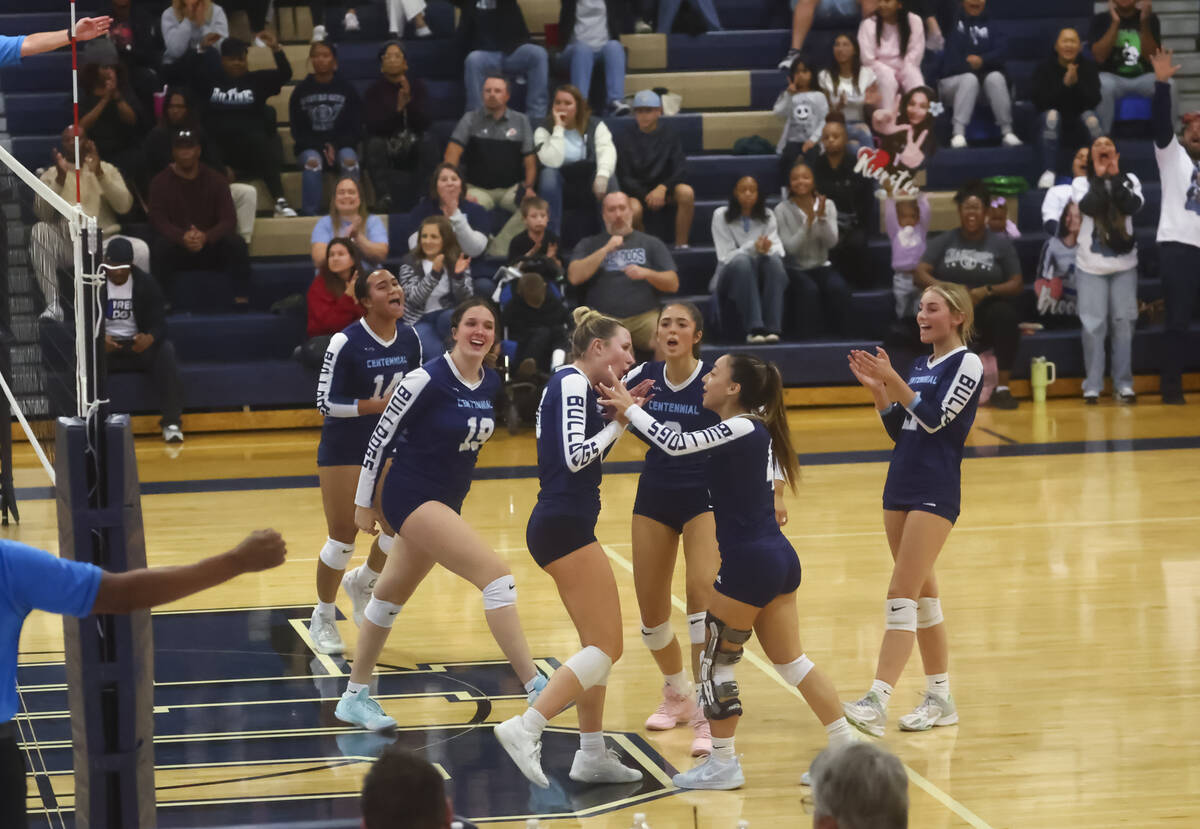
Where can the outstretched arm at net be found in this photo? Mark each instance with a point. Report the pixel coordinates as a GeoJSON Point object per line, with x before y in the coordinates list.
{"type": "Point", "coordinates": [12, 49]}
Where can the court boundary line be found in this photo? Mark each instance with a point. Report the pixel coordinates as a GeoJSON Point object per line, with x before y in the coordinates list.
{"type": "Point", "coordinates": [757, 661]}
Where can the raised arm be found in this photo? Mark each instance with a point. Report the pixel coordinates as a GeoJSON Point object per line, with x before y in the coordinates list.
{"type": "Point", "coordinates": [85, 29]}
{"type": "Point", "coordinates": [676, 443]}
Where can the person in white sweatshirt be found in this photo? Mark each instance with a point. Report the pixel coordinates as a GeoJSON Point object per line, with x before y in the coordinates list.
{"type": "Point", "coordinates": [750, 273]}
{"type": "Point", "coordinates": [576, 155]}
{"type": "Point", "coordinates": [805, 109]}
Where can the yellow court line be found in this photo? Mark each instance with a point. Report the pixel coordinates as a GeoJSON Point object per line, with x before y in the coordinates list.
{"type": "Point", "coordinates": [325, 659]}
{"type": "Point", "coordinates": [760, 663]}
{"type": "Point", "coordinates": [639, 755]}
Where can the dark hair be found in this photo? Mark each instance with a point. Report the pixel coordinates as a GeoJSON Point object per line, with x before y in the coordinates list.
{"type": "Point", "coordinates": [362, 286]}
{"type": "Point", "coordinates": [590, 325]}
{"type": "Point", "coordinates": [317, 44]}
{"type": "Point", "coordinates": [795, 67]}
{"type": "Point", "coordinates": [583, 112]}
{"type": "Point", "coordinates": [734, 211]}
{"type": "Point", "coordinates": [467, 304]}
{"type": "Point", "coordinates": [694, 313]}
{"type": "Point", "coordinates": [496, 76]}
{"type": "Point", "coordinates": [1109, 220]}
{"type": "Point", "coordinates": [762, 395]}
{"type": "Point", "coordinates": [403, 789]}
{"type": "Point", "coordinates": [186, 94]}
{"type": "Point", "coordinates": [89, 76]}
{"type": "Point", "coordinates": [437, 172]}
{"type": "Point", "coordinates": [800, 162]}
{"type": "Point", "coordinates": [389, 44]}
{"type": "Point", "coordinates": [335, 284]}
{"type": "Point", "coordinates": [1061, 232]}
{"type": "Point", "coordinates": [901, 24]}
{"type": "Point", "coordinates": [450, 249]}
{"type": "Point", "coordinates": [835, 71]}
{"type": "Point", "coordinates": [906, 99]}
{"type": "Point", "coordinates": [972, 189]}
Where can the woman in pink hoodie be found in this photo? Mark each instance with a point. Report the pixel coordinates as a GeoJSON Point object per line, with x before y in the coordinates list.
{"type": "Point", "coordinates": [892, 43]}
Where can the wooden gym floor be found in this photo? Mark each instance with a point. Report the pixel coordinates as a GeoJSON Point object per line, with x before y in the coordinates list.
{"type": "Point", "coordinates": [1071, 587]}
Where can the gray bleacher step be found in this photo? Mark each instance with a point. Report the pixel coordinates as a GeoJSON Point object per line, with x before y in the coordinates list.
{"type": "Point", "coordinates": [25, 330]}
{"type": "Point", "coordinates": [26, 379]}
{"type": "Point", "coordinates": [22, 304]}
{"type": "Point", "coordinates": [34, 405]}
{"type": "Point", "coordinates": [26, 353]}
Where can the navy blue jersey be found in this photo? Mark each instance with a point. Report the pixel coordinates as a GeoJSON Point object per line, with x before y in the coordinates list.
{"type": "Point", "coordinates": [681, 408]}
{"type": "Point", "coordinates": [359, 365]}
{"type": "Point", "coordinates": [445, 419]}
{"type": "Point", "coordinates": [926, 465]}
{"type": "Point", "coordinates": [739, 470]}
{"type": "Point", "coordinates": [572, 439]}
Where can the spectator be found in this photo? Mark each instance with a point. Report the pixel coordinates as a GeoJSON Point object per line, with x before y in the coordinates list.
{"type": "Point", "coordinates": [34, 579]}
{"type": "Point", "coordinates": [537, 319]}
{"type": "Point", "coordinates": [1178, 225]}
{"type": "Point", "coordinates": [1059, 196]}
{"type": "Point", "coordinates": [240, 122]}
{"type": "Point", "coordinates": [803, 13]}
{"type": "Point", "coordinates": [15, 47]}
{"type": "Point", "coordinates": [494, 39]}
{"type": "Point", "coordinates": [975, 56]}
{"type": "Point", "coordinates": [804, 108]}
{"type": "Point", "coordinates": [858, 785]}
{"type": "Point", "coordinates": [577, 154]}
{"type": "Point", "coordinates": [436, 276]}
{"type": "Point", "coordinates": [808, 228]}
{"type": "Point", "coordinates": [190, 26]}
{"type": "Point", "coordinates": [536, 249]}
{"type": "Point", "coordinates": [136, 33]}
{"type": "Point", "coordinates": [651, 167]}
{"type": "Point", "coordinates": [850, 88]}
{"type": "Point", "coordinates": [192, 214]}
{"type": "Point", "coordinates": [750, 272]}
{"type": "Point", "coordinates": [495, 145]}
{"type": "Point", "coordinates": [403, 789]}
{"type": "Point", "coordinates": [1123, 39]}
{"type": "Point", "coordinates": [156, 154]}
{"type": "Point", "coordinates": [400, 12]}
{"type": "Point", "coordinates": [626, 271]}
{"type": "Point", "coordinates": [446, 198]}
{"type": "Point", "coordinates": [102, 194]}
{"type": "Point", "coordinates": [348, 218]}
{"type": "Point", "coordinates": [987, 265]}
{"type": "Point", "coordinates": [332, 304]}
{"type": "Point", "coordinates": [316, 8]}
{"type": "Point", "coordinates": [906, 131]}
{"type": "Point", "coordinates": [907, 222]}
{"type": "Point", "coordinates": [852, 194]}
{"type": "Point", "coordinates": [1057, 302]}
{"type": "Point", "coordinates": [667, 10]}
{"type": "Point", "coordinates": [135, 332]}
{"type": "Point", "coordinates": [399, 154]}
{"type": "Point", "coordinates": [326, 117]}
{"type": "Point", "coordinates": [1066, 90]}
{"type": "Point", "coordinates": [1106, 274]}
{"type": "Point", "coordinates": [892, 42]}
{"type": "Point", "coordinates": [592, 29]}
{"type": "Point", "coordinates": [998, 220]}
{"type": "Point", "coordinates": [933, 12]}
{"type": "Point", "coordinates": [110, 112]}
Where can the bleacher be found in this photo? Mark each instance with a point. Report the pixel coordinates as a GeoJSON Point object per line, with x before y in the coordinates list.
{"type": "Point", "coordinates": [728, 82]}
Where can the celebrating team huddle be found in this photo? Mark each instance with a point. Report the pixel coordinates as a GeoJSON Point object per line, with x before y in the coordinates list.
{"type": "Point", "coordinates": [399, 448]}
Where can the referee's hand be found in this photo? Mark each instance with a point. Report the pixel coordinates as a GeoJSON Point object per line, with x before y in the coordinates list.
{"type": "Point", "coordinates": [91, 27]}
{"type": "Point", "coordinates": [261, 550]}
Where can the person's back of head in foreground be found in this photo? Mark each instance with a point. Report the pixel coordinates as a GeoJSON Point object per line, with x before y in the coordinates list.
{"type": "Point", "coordinates": [404, 791]}
{"type": "Point", "coordinates": [859, 786]}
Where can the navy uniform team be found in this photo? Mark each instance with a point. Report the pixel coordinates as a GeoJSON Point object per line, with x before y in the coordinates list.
{"type": "Point", "coordinates": [719, 455]}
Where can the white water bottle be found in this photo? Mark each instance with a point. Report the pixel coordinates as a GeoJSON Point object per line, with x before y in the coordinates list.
{"type": "Point", "coordinates": [532, 823]}
{"type": "Point", "coordinates": [639, 821]}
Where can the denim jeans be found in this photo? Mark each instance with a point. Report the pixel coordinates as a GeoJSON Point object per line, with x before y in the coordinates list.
{"type": "Point", "coordinates": [755, 285]}
{"type": "Point", "coordinates": [1107, 305]}
{"type": "Point", "coordinates": [1050, 131]}
{"type": "Point", "coordinates": [1179, 267]}
{"type": "Point", "coordinates": [529, 61]}
{"type": "Point", "coordinates": [312, 175]}
{"type": "Point", "coordinates": [582, 59]}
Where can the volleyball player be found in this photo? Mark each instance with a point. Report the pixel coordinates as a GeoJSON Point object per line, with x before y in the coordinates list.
{"type": "Point", "coordinates": [362, 366]}
{"type": "Point", "coordinates": [928, 417]}
{"type": "Point", "coordinates": [755, 588]}
{"type": "Point", "coordinates": [571, 440]}
{"type": "Point", "coordinates": [445, 410]}
{"type": "Point", "coordinates": [672, 503]}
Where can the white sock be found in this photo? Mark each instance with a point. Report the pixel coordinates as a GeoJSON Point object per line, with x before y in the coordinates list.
{"type": "Point", "coordinates": [680, 683]}
{"type": "Point", "coordinates": [353, 688]}
{"type": "Point", "coordinates": [591, 742]}
{"type": "Point", "coordinates": [534, 722]}
{"type": "Point", "coordinates": [938, 684]}
{"type": "Point", "coordinates": [839, 732]}
{"type": "Point", "coordinates": [368, 572]}
{"type": "Point", "coordinates": [723, 748]}
{"type": "Point", "coordinates": [326, 610]}
{"type": "Point", "coordinates": [1001, 388]}
{"type": "Point", "coordinates": [882, 690]}
{"type": "Point", "coordinates": [424, 31]}
{"type": "Point", "coordinates": [530, 684]}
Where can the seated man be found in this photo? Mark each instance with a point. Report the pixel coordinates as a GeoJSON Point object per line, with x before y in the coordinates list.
{"type": "Point", "coordinates": [403, 789]}
{"type": "Point", "coordinates": [627, 272]}
{"type": "Point", "coordinates": [493, 37]}
{"type": "Point", "coordinates": [135, 332]}
{"type": "Point", "coordinates": [193, 219]}
{"type": "Point", "coordinates": [651, 166]}
{"type": "Point", "coordinates": [495, 145]}
{"type": "Point", "coordinates": [1123, 40]}
{"type": "Point", "coordinates": [859, 784]}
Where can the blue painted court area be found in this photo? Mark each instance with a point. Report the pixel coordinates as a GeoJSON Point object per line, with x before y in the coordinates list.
{"type": "Point", "coordinates": [245, 732]}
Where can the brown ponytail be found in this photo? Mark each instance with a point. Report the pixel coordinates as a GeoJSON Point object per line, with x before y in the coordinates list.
{"type": "Point", "coordinates": [590, 325]}
{"type": "Point", "coordinates": [762, 394]}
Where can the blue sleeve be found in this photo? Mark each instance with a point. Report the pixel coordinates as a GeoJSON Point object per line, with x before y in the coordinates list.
{"type": "Point", "coordinates": [323, 231]}
{"type": "Point", "coordinates": [10, 50]}
{"type": "Point", "coordinates": [1160, 115]}
{"type": "Point", "coordinates": [893, 420]}
{"type": "Point", "coordinates": [376, 229]}
{"type": "Point", "coordinates": [36, 580]}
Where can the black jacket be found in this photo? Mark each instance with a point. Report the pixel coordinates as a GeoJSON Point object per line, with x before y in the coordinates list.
{"type": "Point", "coordinates": [234, 106]}
{"type": "Point", "coordinates": [619, 20]}
{"type": "Point", "coordinates": [1049, 91]}
{"type": "Point", "coordinates": [648, 159]}
{"type": "Point", "coordinates": [501, 29]}
{"type": "Point", "coordinates": [149, 308]}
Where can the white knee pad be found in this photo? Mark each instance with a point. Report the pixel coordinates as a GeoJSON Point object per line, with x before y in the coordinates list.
{"type": "Point", "coordinates": [385, 543]}
{"type": "Point", "coordinates": [900, 614]}
{"type": "Point", "coordinates": [659, 636]}
{"type": "Point", "coordinates": [794, 672]}
{"type": "Point", "coordinates": [929, 612]}
{"type": "Point", "coordinates": [336, 555]}
{"type": "Point", "coordinates": [590, 666]}
{"type": "Point", "coordinates": [500, 593]}
{"type": "Point", "coordinates": [696, 627]}
{"type": "Point", "coordinates": [382, 613]}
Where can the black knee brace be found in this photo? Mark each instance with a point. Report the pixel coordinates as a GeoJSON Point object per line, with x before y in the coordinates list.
{"type": "Point", "coordinates": [720, 699]}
